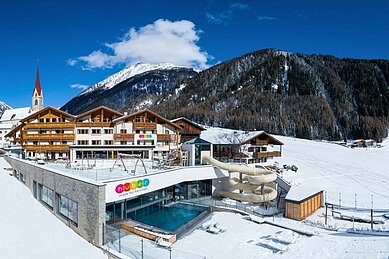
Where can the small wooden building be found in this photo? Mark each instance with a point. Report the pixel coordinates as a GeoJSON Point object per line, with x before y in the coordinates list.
{"type": "Point", "coordinates": [190, 129]}
{"type": "Point", "coordinates": [301, 202]}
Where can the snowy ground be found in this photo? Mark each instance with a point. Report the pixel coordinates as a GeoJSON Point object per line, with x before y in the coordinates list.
{"type": "Point", "coordinates": [333, 168]}
{"type": "Point", "coordinates": [28, 230]}
{"type": "Point", "coordinates": [340, 171]}
{"type": "Point", "coordinates": [336, 169]}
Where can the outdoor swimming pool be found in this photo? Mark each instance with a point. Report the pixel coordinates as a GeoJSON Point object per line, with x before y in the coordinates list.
{"type": "Point", "coordinates": [170, 218]}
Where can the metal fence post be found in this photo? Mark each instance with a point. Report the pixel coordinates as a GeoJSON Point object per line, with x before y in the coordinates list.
{"type": "Point", "coordinates": [170, 252]}
{"type": "Point", "coordinates": [141, 247]}
{"type": "Point", "coordinates": [120, 243]}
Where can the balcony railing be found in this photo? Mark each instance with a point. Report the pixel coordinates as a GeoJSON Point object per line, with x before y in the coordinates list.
{"type": "Point", "coordinates": [123, 136]}
{"type": "Point", "coordinates": [49, 125]}
{"type": "Point", "coordinates": [48, 136]}
{"type": "Point", "coordinates": [259, 142]}
{"type": "Point", "coordinates": [145, 125]}
{"type": "Point", "coordinates": [267, 154]}
{"type": "Point", "coordinates": [94, 124]}
{"type": "Point", "coordinates": [42, 148]}
{"type": "Point", "coordinates": [166, 137]}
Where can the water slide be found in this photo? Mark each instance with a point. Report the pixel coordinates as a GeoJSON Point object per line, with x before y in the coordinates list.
{"type": "Point", "coordinates": [252, 187]}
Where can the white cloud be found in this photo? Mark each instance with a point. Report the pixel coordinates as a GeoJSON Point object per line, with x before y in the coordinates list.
{"type": "Point", "coordinates": [226, 15]}
{"type": "Point", "coordinates": [239, 6]}
{"type": "Point", "coordinates": [79, 86]}
{"type": "Point", "coordinates": [266, 18]}
{"type": "Point", "coordinates": [159, 42]}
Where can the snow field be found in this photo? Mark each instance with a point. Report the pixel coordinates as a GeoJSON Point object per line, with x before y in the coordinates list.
{"type": "Point", "coordinates": [28, 230]}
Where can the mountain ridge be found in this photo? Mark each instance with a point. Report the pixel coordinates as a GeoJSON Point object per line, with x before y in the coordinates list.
{"type": "Point", "coordinates": [308, 96]}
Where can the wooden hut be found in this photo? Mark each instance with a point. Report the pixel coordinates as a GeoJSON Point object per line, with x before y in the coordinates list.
{"type": "Point", "coordinates": [301, 202]}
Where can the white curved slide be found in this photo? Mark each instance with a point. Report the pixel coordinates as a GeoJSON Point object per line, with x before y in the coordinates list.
{"type": "Point", "coordinates": [253, 186]}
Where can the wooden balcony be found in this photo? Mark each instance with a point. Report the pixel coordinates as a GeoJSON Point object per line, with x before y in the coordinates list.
{"type": "Point", "coordinates": [267, 154]}
{"type": "Point", "coordinates": [95, 124]}
{"type": "Point", "coordinates": [260, 142]}
{"type": "Point", "coordinates": [166, 137]}
{"type": "Point", "coordinates": [48, 136]}
{"type": "Point", "coordinates": [43, 148]}
{"type": "Point", "coordinates": [123, 136]}
{"type": "Point", "coordinates": [145, 125]}
{"type": "Point", "coordinates": [49, 125]}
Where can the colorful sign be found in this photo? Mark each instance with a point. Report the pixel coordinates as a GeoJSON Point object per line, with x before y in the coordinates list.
{"type": "Point", "coordinates": [132, 186]}
{"type": "Point", "coordinates": [146, 136]}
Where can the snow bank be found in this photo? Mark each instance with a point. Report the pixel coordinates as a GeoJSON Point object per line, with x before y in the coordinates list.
{"type": "Point", "coordinates": [28, 230]}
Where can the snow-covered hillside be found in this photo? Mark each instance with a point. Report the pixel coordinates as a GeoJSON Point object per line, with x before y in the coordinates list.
{"type": "Point", "coordinates": [28, 230]}
{"type": "Point", "coordinates": [3, 107]}
{"type": "Point", "coordinates": [342, 172]}
{"type": "Point", "coordinates": [127, 73]}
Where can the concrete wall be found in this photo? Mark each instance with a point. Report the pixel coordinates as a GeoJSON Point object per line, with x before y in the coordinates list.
{"type": "Point", "coordinates": [89, 197]}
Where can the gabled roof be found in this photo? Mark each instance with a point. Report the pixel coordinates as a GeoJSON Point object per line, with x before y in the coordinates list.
{"type": "Point", "coordinates": [45, 110]}
{"type": "Point", "coordinates": [14, 130]}
{"type": "Point", "coordinates": [197, 141]}
{"type": "Point", "coordinates": [37, 87]}
{"type": "Point", "coordinates": [221, 136]}
{"type": "Point", "coordinates": [15, 114]}
{"type": "Point", "coordinates": [274, 141]}
{"type": "Point", "coordinates": [98, 108]}
{"type": "Point", "coordinates": [159, 117]}
{"type": "Point", "coordinates": [188, 121]}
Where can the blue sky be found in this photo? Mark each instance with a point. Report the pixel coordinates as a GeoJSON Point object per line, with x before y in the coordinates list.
{"type": "Point", "coordinates": [79, 43]}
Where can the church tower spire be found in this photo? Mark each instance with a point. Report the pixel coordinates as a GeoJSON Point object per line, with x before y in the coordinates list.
{"type": "Point", "coordinates": [37, 94]}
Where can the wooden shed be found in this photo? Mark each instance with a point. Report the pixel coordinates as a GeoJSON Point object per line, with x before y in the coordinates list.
{"type": "Point", "coordinates": [301, 202]}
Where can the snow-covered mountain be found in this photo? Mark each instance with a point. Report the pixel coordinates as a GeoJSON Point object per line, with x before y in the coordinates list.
{"type": "Point", "coordinates": [127, 73]}
{"type": "Point", "coordinates": [130, 89]}
{"type": "Point", "coordinates": [3, 107]}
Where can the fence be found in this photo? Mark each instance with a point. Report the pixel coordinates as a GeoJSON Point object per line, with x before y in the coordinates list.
{"type": "Point", "coordinates": [137, 247]}
{"type": "Point", "coordinates": [269, 209]}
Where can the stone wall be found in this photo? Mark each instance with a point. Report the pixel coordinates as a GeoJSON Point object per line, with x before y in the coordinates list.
{"type": "Point", "coordinates": [90, 197]}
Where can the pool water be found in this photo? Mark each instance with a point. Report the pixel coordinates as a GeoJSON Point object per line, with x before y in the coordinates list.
{"type": "Point", "coordinates": [170, 218]}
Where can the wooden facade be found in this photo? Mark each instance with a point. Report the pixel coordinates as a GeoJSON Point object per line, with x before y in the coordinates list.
{"type": "Point", "coordinates": [251, 150]}
{"type": "Point", "coordinates": [303, 208]}
{"type": "Point", "coordinates": [190, 130]}
{"type": "Point", "coordinates": [52, 134]}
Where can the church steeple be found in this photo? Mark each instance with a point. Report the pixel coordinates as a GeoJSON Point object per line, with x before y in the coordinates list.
{"type": "Point", "coordinates": [37, 94]}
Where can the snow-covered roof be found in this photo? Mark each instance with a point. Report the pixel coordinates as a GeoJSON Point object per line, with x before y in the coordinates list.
{"type": "Point", "coordinates": [299, 193]}
{"type": "Point", "coordinates": [6, 125]}
{"type": "Point", "coordinates": [15, 114]}
{"type": "Point", "coordinates": [227, 136]}
{"type": "Point", "coordinates": [189, 121]}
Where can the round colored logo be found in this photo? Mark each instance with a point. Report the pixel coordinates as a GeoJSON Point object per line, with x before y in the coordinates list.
{"type": "Point", "coordinates": [145, 136]}
{"type": "Point", "coordinates": [132, 186]}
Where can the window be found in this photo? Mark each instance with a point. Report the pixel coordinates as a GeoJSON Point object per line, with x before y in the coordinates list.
{"type": "Point", "coordinates": [46, 195]}
{"type": "Point", "coordinates": [123, 142]}
{"type": "Point", "coordinates": [123, 131]}
{"type": "Point", "coordinates": [67, 208]}
{"type": "Point", "coordinates": [96, 131]}
{"type": "Point", "coordinates": [108, 131]}
{"type": "Point", "coordinates": [82, 142]}
{"type": "Point", "coordinates": [108, 142]}
{"type": "Point", "coordinates": [96, 142]}
{"type": "Point", "coordinates": [22, 178]}
{"type": "Point", "coordinates": [83, 131]}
